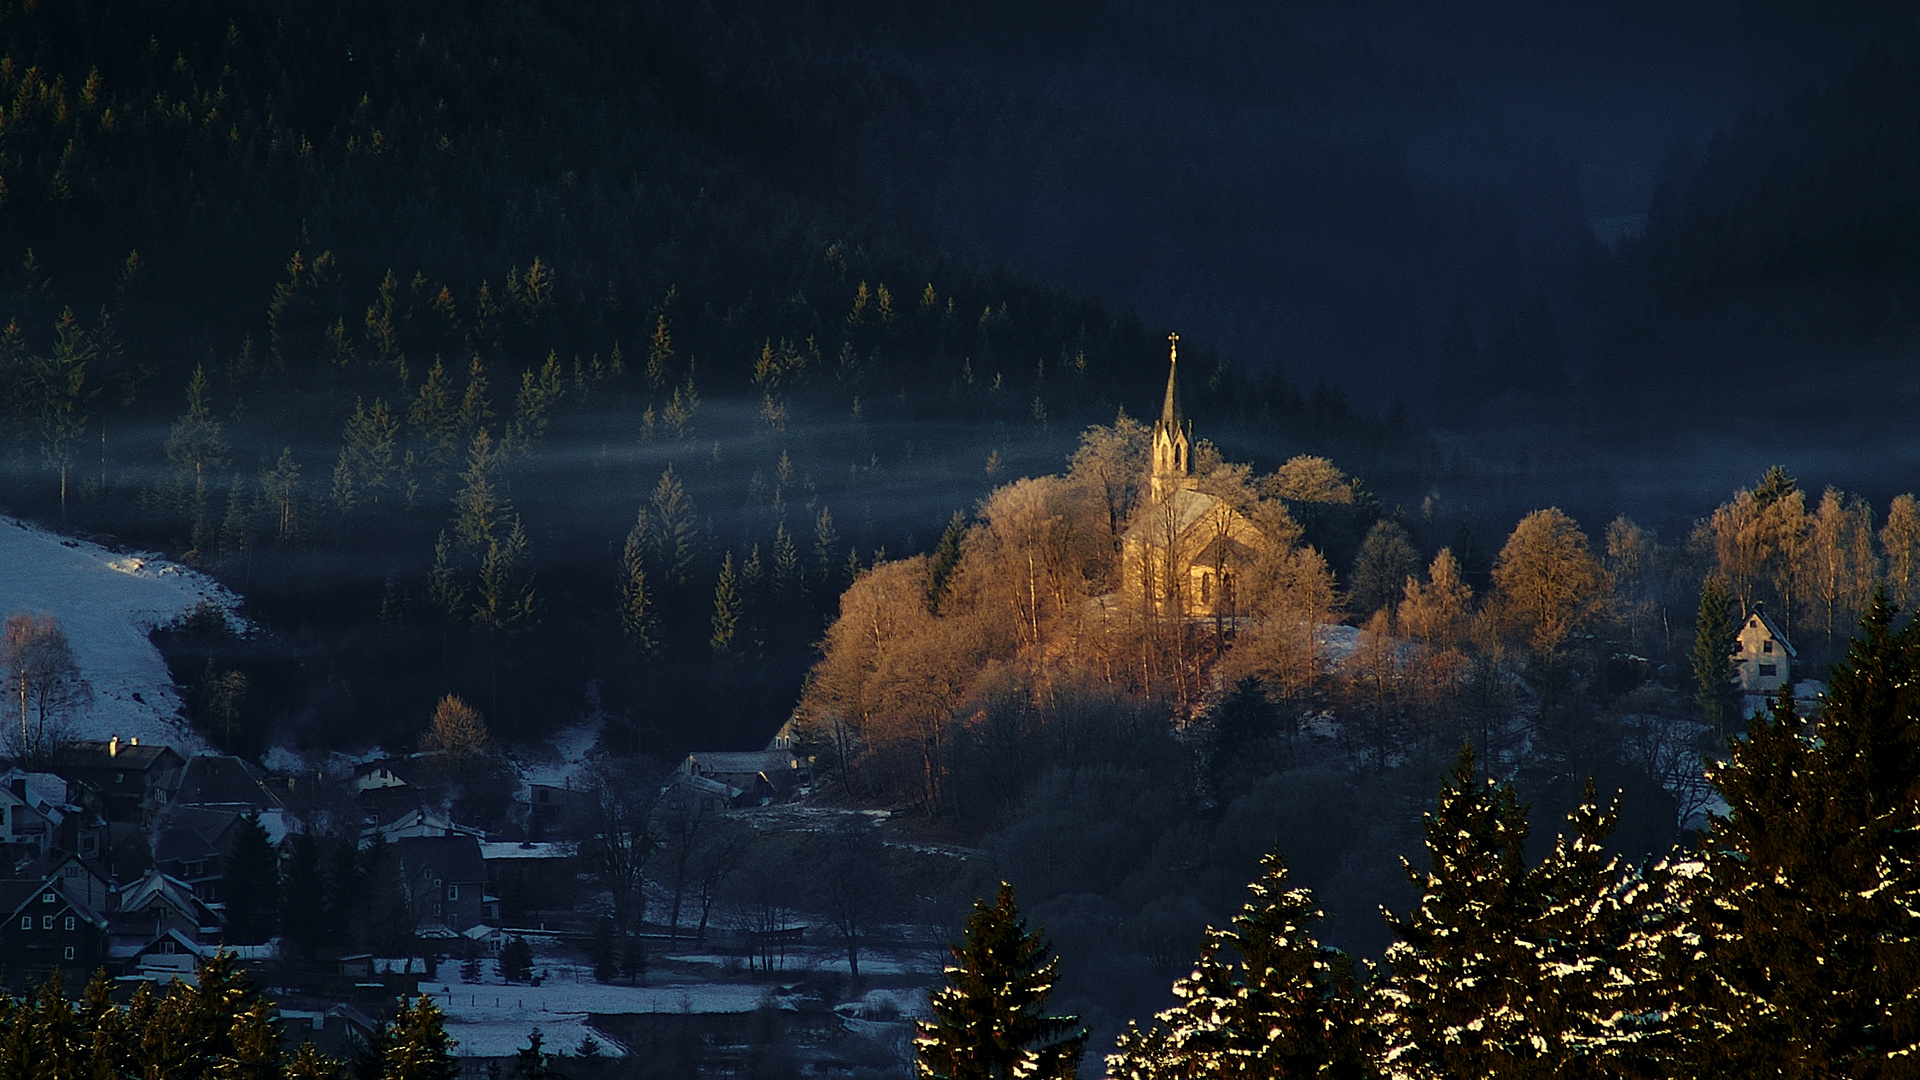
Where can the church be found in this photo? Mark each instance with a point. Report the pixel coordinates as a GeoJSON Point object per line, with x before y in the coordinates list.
{"type": "Point", "coordinates": [1186, 551]}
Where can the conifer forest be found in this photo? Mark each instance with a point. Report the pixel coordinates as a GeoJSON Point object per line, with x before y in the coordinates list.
{"type": "Point", "coordinates": [964, 540]}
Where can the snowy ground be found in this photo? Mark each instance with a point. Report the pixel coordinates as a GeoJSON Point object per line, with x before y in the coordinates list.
{"type": "Point", "coordinates": [491, 1019]}
{"type": "Point", "coordinates": [106, 602]}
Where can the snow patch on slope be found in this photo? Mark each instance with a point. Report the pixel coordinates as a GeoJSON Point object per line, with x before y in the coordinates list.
{"type": "Point", "coordinates": [107, 602]}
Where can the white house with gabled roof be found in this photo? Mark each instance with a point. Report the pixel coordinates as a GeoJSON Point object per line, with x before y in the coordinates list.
{"type": "Point", "coordinates": [1762, 659]}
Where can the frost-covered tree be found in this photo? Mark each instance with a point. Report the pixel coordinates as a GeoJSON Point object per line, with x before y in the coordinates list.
{"type": "Point", "coordinates": [990, 1020]}
{"type": "Point", "coordinates": [1459, 1000]}
{"type": "Point", "coordinates": [1264, 1000]}
{"type": "Point", "coordinates": [1807, 912]}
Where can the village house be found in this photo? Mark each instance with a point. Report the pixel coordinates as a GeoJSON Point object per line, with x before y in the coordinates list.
{"type": "Point", "coordinates": [526, 876]}
{"type": "Point", "coordinates": [1187, 551]}
{"type": "Point", "coordinates": [133, 780]}
{"type": "Point", "coordinates": [1762, 660]}
{"type": "Point", "coordinates": [46, 930]}
{"type": "Point", "coordinates": [448, 879]}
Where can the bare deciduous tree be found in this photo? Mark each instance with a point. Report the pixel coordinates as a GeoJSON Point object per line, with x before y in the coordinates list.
{"type": "Point", "coordinates": [617, 829]}
{"type": "Point", "coordinates": [43, 684]}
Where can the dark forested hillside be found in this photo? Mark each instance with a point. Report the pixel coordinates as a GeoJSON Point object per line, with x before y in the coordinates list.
{"type": "Point", "coordinates": [519, 351]}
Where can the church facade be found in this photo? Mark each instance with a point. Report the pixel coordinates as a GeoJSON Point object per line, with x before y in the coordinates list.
{"type": "Point", "coordinates": [1186, 552]}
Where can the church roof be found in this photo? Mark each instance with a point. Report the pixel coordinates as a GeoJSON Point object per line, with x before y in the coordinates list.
{"type": "Point", "coordinates": [1188, 507]}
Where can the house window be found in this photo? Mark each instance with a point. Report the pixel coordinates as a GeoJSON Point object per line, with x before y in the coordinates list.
{"type": "Point", "coordinates": [1769, 669]}
{"type": "Point", "coordinates": [46, 898]}
{"type": "Point", "coordinates": [453, 892]}
{"type": "Point", "coordinates": [69, 924]}
{"type": "Point", "coordinates": [1206, 588]}
{"type": "Point", "coordinates": [26, 922]}
{"type": "Point", "coordinates": [69, 952]}
{"type": "Point", "coordinates": [1767, 645]}
{"type": "Point", "coordinates": [73, 871]}
{"type": "Point", "coordinates": [46, 922]}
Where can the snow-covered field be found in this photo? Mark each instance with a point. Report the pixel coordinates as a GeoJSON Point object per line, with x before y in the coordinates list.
{"type": "Point", "coordinates": [491, 1019]}
{"type": "Point", "coordinates": [106, 602]}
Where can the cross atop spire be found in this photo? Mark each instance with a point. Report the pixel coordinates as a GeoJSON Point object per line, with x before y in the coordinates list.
{"type": "Point", "coordinates": [1170, 412]}
{"type": "Point", "coordinates": [1171, 444]}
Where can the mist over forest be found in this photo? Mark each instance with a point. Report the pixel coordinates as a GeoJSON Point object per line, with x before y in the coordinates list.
{"type": "Point", "coordinates": [691, 370]}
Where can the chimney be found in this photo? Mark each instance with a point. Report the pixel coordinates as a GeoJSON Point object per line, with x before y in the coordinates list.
{"type": "Point", "coordinates": [135, 741]}
{"type": "Point", "coordinates": [113, 746]}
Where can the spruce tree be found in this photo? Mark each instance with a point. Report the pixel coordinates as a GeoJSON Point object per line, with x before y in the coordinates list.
{"type": "Point", "coordinates": [1714, 633]}
{"type": "Point", "coordinates": [1457, 1003]}
{"type": "Point", "coordinates": [418, 1047]}
{"type": "Point", "coordinates": [990, 1020]}
{"type": "Point", "coordinates": [305, 893]}
{"type": "Point", "coordinates": [606, 959]}
{"type": "Point", "coordinates": [1808, 912]}
{"type": "Point", "coordinates": [633, 960]}
{"type": "Point", "coordinates": [944, 560]}
{"type": "Point", "coordinates": [1281, 1006]}
{"type": "Point", "coordinates": [726, 610]}
{"type": "Point", "coordinates": [251, 884]}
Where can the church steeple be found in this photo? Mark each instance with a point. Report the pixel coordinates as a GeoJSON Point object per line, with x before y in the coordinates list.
{"type": "Point", "coordinates": [1171, 441]}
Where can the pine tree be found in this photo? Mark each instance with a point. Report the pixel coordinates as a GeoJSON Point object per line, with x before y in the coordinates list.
{"type": "Point", "coordinates": [672, 524]}
{"type": "Point", "coordinates": [990, 1020]}
{"type": "Point", "coordinates": [250, 885]}
{"type": "Point", "coordinates": [826, 548]}
{"type": "Point", "coordinates": [1456, 1003]}
{"type": "Point", "coordinates": [516, 960]}
{"type": "Point", "coordinates": [1588, 1011]}
{"type": "Point", "coordinates": [1714, 633]}
{"type": "Point", "coordinates": [1808, 911]}
{"type": "Point", "coordinates": [633, 959]}
{"type": "Point", "coordinates": [418, 1046]}
{"type": "Point", "coordinates": [945, 559]}
{"type": "Point", "coordinates": [530, 1062]}
{"type": "Point", "coordinates": [503, 595]}
{"type": "Point", "coordinates": [636, 604]}
{"type": "Point", "coordinates": [307, 1063]}
{"type": "Point", "coordinates": [433, 417]}
{"type": "Point", "coordinates": [478, 510]}
{"type": "Point", "coordinates": [786, 562]}
{"type": "Point", "coordinates": [1281, 1006]}
{"type": "Point", "coordinates": [304, 894]}
{"type": "Point", "coordinates": [726, 610]}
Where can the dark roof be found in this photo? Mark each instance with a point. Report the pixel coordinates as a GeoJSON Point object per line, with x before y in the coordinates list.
{"type": "Point", "coordinates": [736, 762]}
{"type": "Point", "coordinates": [220, 780]}
{"type": "Point", "coordinates": [457, 858]}
{"type": "Point", "coordinates": [182, 845]}
{"type": "Point", "coordinates": [93, 754]}
{"type": "Point", "coordinates": [213, 823]}
{"type": "Point", "coordinates": [1760, 613]}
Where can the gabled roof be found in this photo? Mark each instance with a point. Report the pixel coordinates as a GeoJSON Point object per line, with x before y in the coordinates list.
{"type": "Point", "coordinates": [457, 858]}
{"type": "Point", "coordinates": [164, 888]}
{"type": "Point", "coordinates": [179, 844]}
{"type": "Point", "coordinates": [97, 754]}
{"type": "Point", "coordinates": [31, 899]}
{"type": "Point", "coordinates": [1188, 507]}
{"type": "Point", "coordinates": [221, 780]}
{"type": "Point", "coordinates": [1759, 613]}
